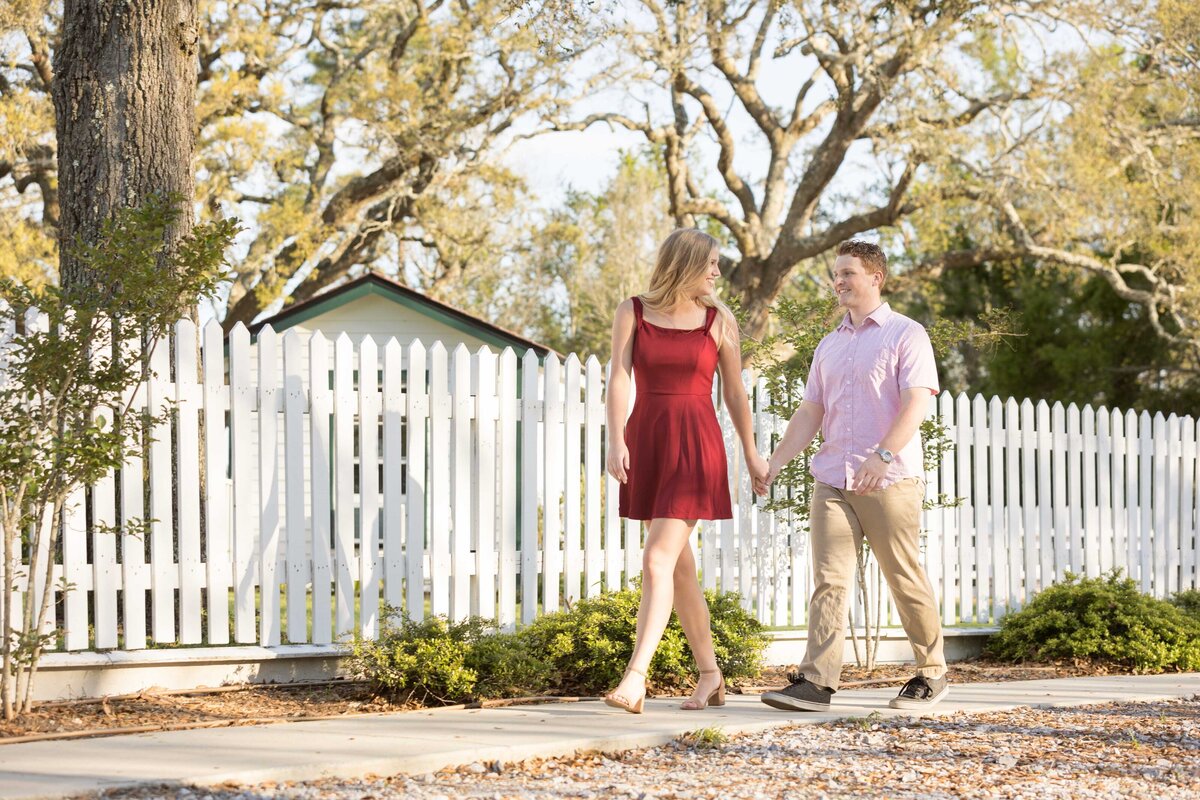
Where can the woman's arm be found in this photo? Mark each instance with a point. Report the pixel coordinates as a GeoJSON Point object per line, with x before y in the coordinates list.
{"type": "Point", "coordinates": [729, 363]}
{"type": "Point", "coordinates": [616, 400]}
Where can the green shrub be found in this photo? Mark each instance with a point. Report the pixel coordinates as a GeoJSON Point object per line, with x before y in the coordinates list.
{"type": "Point", "coordinates": [1101, 619]}
{"type": "Point", "coordinates": [1187, 601]}
{"type": "Point", "coordinates": [435, 661]}
{"type": "Point", "coordinates": [589, 645]}
{"type": "Point", "coordinates": [424, 661]}
{"type": "Point", "coordinates": [505, 666]}
{"type": "Point", "coordinates": [583, 650]}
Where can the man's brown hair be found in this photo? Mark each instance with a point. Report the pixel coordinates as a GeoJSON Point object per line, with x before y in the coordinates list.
{"type": "Point", "coordinates": [871, 255]}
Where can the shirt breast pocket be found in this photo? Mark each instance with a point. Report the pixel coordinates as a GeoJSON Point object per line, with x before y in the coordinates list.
{"type": "Point", "coordinates": [881, 367]}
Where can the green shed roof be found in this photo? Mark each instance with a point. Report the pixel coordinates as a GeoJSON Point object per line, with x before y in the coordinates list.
{"type": "Point", "coordinates": [373, 283]}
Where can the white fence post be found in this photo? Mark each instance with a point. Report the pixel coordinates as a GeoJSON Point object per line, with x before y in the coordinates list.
{"type": "Point", "coordinates": [321, 502]}
{"type": "Point", "coordinates": [531, 415]}
{"type": "Point", "coordinates": [298, 571]}
{"type": "Point", "coordinates": [394, 498]}
{"type": "Point", "coordinates": [416, 485]}
{"type": "Point", "coordinates": [268, 487]}
{"type": "Point", "coordinates": [370, 565]}
{"type": "Point", "coordinates": [484, 508]}
{"type": "Point", "coordinates": [189, 397]}
{"type": "Point", "coordinates": [507, 467]}
{"type": "Point", "coordinates": [344, 408]}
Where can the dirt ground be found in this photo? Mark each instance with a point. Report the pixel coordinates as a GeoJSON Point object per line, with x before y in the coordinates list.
{"type": "Point", "coordinates": [253, 705]}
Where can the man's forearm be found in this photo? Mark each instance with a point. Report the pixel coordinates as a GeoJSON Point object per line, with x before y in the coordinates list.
{"type": "Point", "coordinates": [801, 429]}
{"type": "Point", "coordinates": [905, 426]}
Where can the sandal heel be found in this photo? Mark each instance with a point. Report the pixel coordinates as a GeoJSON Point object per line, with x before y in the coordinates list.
{"type": "Point", "coordinates": [717, 698]}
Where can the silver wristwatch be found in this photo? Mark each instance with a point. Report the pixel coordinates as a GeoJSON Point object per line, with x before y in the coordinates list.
{"type": "Point", "coordinates": [884, 454]}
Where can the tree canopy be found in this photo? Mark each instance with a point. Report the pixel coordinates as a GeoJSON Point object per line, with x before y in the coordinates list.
{"type": "Point", "coordinates": [1041, 136]}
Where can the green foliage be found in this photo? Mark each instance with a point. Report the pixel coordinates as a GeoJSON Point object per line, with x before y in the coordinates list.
{"type": "Point", "coordinates": [65, 418]}
{"type": "Point", "coordinates": [1187, 601]}
{"type": "Point", "coordinates": [423, 661]}
{"type": "Point", "coordinates": [590, 644]}
{"type": "Point", "coordinates": [1076, 340]}
{"type": "Point", "coordinates": [435, 661]}
{"type": "Point", "coordinates": [581, 651]}
{"type": "Point", "coordinates": [1101, 619]}
{"type": "Point", "coordinates": [704, 738]}
{"type": "Point", "coordinates": [865, 723]}
{"type": "Point", "coordinates": [506, 666]}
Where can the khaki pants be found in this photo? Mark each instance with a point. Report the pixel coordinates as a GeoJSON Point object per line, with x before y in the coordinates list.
{"type": "Point", "coordinates": [891, 521]}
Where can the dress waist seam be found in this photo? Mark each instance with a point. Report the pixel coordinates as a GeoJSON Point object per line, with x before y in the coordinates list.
{"type": "Point", "coordinates": [676, 394]}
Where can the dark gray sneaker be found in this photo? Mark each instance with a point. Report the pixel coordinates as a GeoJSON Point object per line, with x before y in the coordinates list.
{"type": "Point", "coordinates": [801, 695]}
{"type": "Point", "coordinates": [921, 692]}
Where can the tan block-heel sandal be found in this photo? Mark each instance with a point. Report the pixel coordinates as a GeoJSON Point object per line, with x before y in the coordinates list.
{"type": "Point", "coordinates": [717, 698]}
{"type": "Point", "coordinates": [616, 701]}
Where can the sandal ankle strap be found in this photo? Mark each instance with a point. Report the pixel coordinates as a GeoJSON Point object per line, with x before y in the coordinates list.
{"type": "Point", "coordinates": [634, 669]}
{"type": "Point", "coordinates": [709, 671]}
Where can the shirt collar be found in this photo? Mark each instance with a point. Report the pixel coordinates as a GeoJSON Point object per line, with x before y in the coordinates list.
{"type": "Point", "coordinates": [879, 316]}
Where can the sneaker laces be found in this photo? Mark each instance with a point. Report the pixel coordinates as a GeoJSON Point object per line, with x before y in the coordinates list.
{"type": "Point", "coordinates": [795, 677]}
{"type": "Point", "coordinates": [918, 688]}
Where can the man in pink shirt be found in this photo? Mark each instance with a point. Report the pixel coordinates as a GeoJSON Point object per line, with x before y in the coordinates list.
{"type": "Point", "coordinates": [868, 391]}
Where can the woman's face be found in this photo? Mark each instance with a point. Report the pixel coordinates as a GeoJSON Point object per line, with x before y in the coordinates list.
{"type": "Point", "coordinates": [708, 284]}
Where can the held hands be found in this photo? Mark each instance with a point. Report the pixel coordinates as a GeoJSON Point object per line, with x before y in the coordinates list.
{"type": "Point", "coordinates": [773, 470]}
{"type": "Point", "coordinates": [759, 471]}
{"type": "Point", "coordinates": [870, 475]}
{"type": "Point", "coordinates": [618, 461]}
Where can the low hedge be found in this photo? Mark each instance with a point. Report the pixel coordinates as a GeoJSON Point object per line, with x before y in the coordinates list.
{"type": "Point", "coordinates": [579, 651]}
{"type": "Point", "coordinates": [1103, 620]}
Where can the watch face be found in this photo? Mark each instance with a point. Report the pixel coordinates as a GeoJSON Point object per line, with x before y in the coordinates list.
{"type": "Point", "coordinates": [886, 455]}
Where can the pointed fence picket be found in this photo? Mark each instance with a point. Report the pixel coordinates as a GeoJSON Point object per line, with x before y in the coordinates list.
{"type": "Point", "coordinates": [295, 486]}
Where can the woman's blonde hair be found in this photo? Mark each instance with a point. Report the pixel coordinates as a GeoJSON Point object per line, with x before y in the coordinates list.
{"type": "Point", "coordinates": [682, 262]}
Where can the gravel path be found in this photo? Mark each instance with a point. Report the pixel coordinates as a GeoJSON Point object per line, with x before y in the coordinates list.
{"type": "Point", "coordinates": [1127, 750]}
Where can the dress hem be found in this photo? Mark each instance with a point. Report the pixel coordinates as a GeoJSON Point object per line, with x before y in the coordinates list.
{"type": "Point", "coordinates": [675, 515]}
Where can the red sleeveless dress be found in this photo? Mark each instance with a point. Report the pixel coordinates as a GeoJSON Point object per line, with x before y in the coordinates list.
{"type": "Point", "coordinates": [677, 466]}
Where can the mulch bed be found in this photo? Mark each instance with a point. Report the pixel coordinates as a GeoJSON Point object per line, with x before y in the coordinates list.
{"type": "Point", "coordinates": [152, 709]}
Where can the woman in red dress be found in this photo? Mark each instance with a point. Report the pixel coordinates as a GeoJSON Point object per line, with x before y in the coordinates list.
{"type": "Point", "coordinates": [670, 456]}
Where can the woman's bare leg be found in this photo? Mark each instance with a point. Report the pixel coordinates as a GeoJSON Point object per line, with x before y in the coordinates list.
{"type": "Point", "coordinates": [692, 609]}
{"type": "Point", "coordinates": [664, 541]}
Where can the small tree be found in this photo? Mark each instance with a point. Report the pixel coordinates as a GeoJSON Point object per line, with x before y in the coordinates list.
{"type": "Point", "coordinates": [784, 360]}
{"type": "Point", "coordinates": [70, 359]}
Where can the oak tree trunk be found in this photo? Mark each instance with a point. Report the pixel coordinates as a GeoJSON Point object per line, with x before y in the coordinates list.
{"type": "Point", "coordinates": [124, 99]}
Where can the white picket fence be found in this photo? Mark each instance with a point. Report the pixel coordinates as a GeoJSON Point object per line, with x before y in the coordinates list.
{"type": "Point", "coordinates": [485, 493]}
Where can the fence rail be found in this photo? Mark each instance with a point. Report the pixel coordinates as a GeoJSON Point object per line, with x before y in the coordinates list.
{"type": "Point", "coordinates": [485, 493]}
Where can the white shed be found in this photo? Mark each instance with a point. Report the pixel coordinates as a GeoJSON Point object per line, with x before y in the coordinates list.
{"type": "Point", "coordinates": [379, 307]}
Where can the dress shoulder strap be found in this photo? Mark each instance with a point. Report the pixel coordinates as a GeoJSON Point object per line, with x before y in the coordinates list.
{"type": "Point", "coordinates": [637, 308]}
{"type": "Point", "coordinates": [709, 318]}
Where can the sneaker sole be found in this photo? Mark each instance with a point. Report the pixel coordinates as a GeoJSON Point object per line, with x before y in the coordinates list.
{"type": "Point", "coordinates": [905, 703]}
{"type": "Point", "coordinates": [785, 703]}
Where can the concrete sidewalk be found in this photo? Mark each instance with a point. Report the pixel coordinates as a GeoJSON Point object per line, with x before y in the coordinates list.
{"type": "Point", "coordinates": [419, 742]}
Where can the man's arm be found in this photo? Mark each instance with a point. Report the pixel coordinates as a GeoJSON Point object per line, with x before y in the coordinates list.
{"type": "Point", "coordinates": [914, 405]}
{"type": "Point", "coordinates": [801, 429]}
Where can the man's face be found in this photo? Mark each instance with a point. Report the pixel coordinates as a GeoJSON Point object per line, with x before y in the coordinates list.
{"type": "Point", "coordinates": [852, 283]}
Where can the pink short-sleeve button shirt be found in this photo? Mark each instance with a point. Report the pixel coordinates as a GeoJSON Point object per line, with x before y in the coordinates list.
{"type": "Point", "coordinates": [857, 376]}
